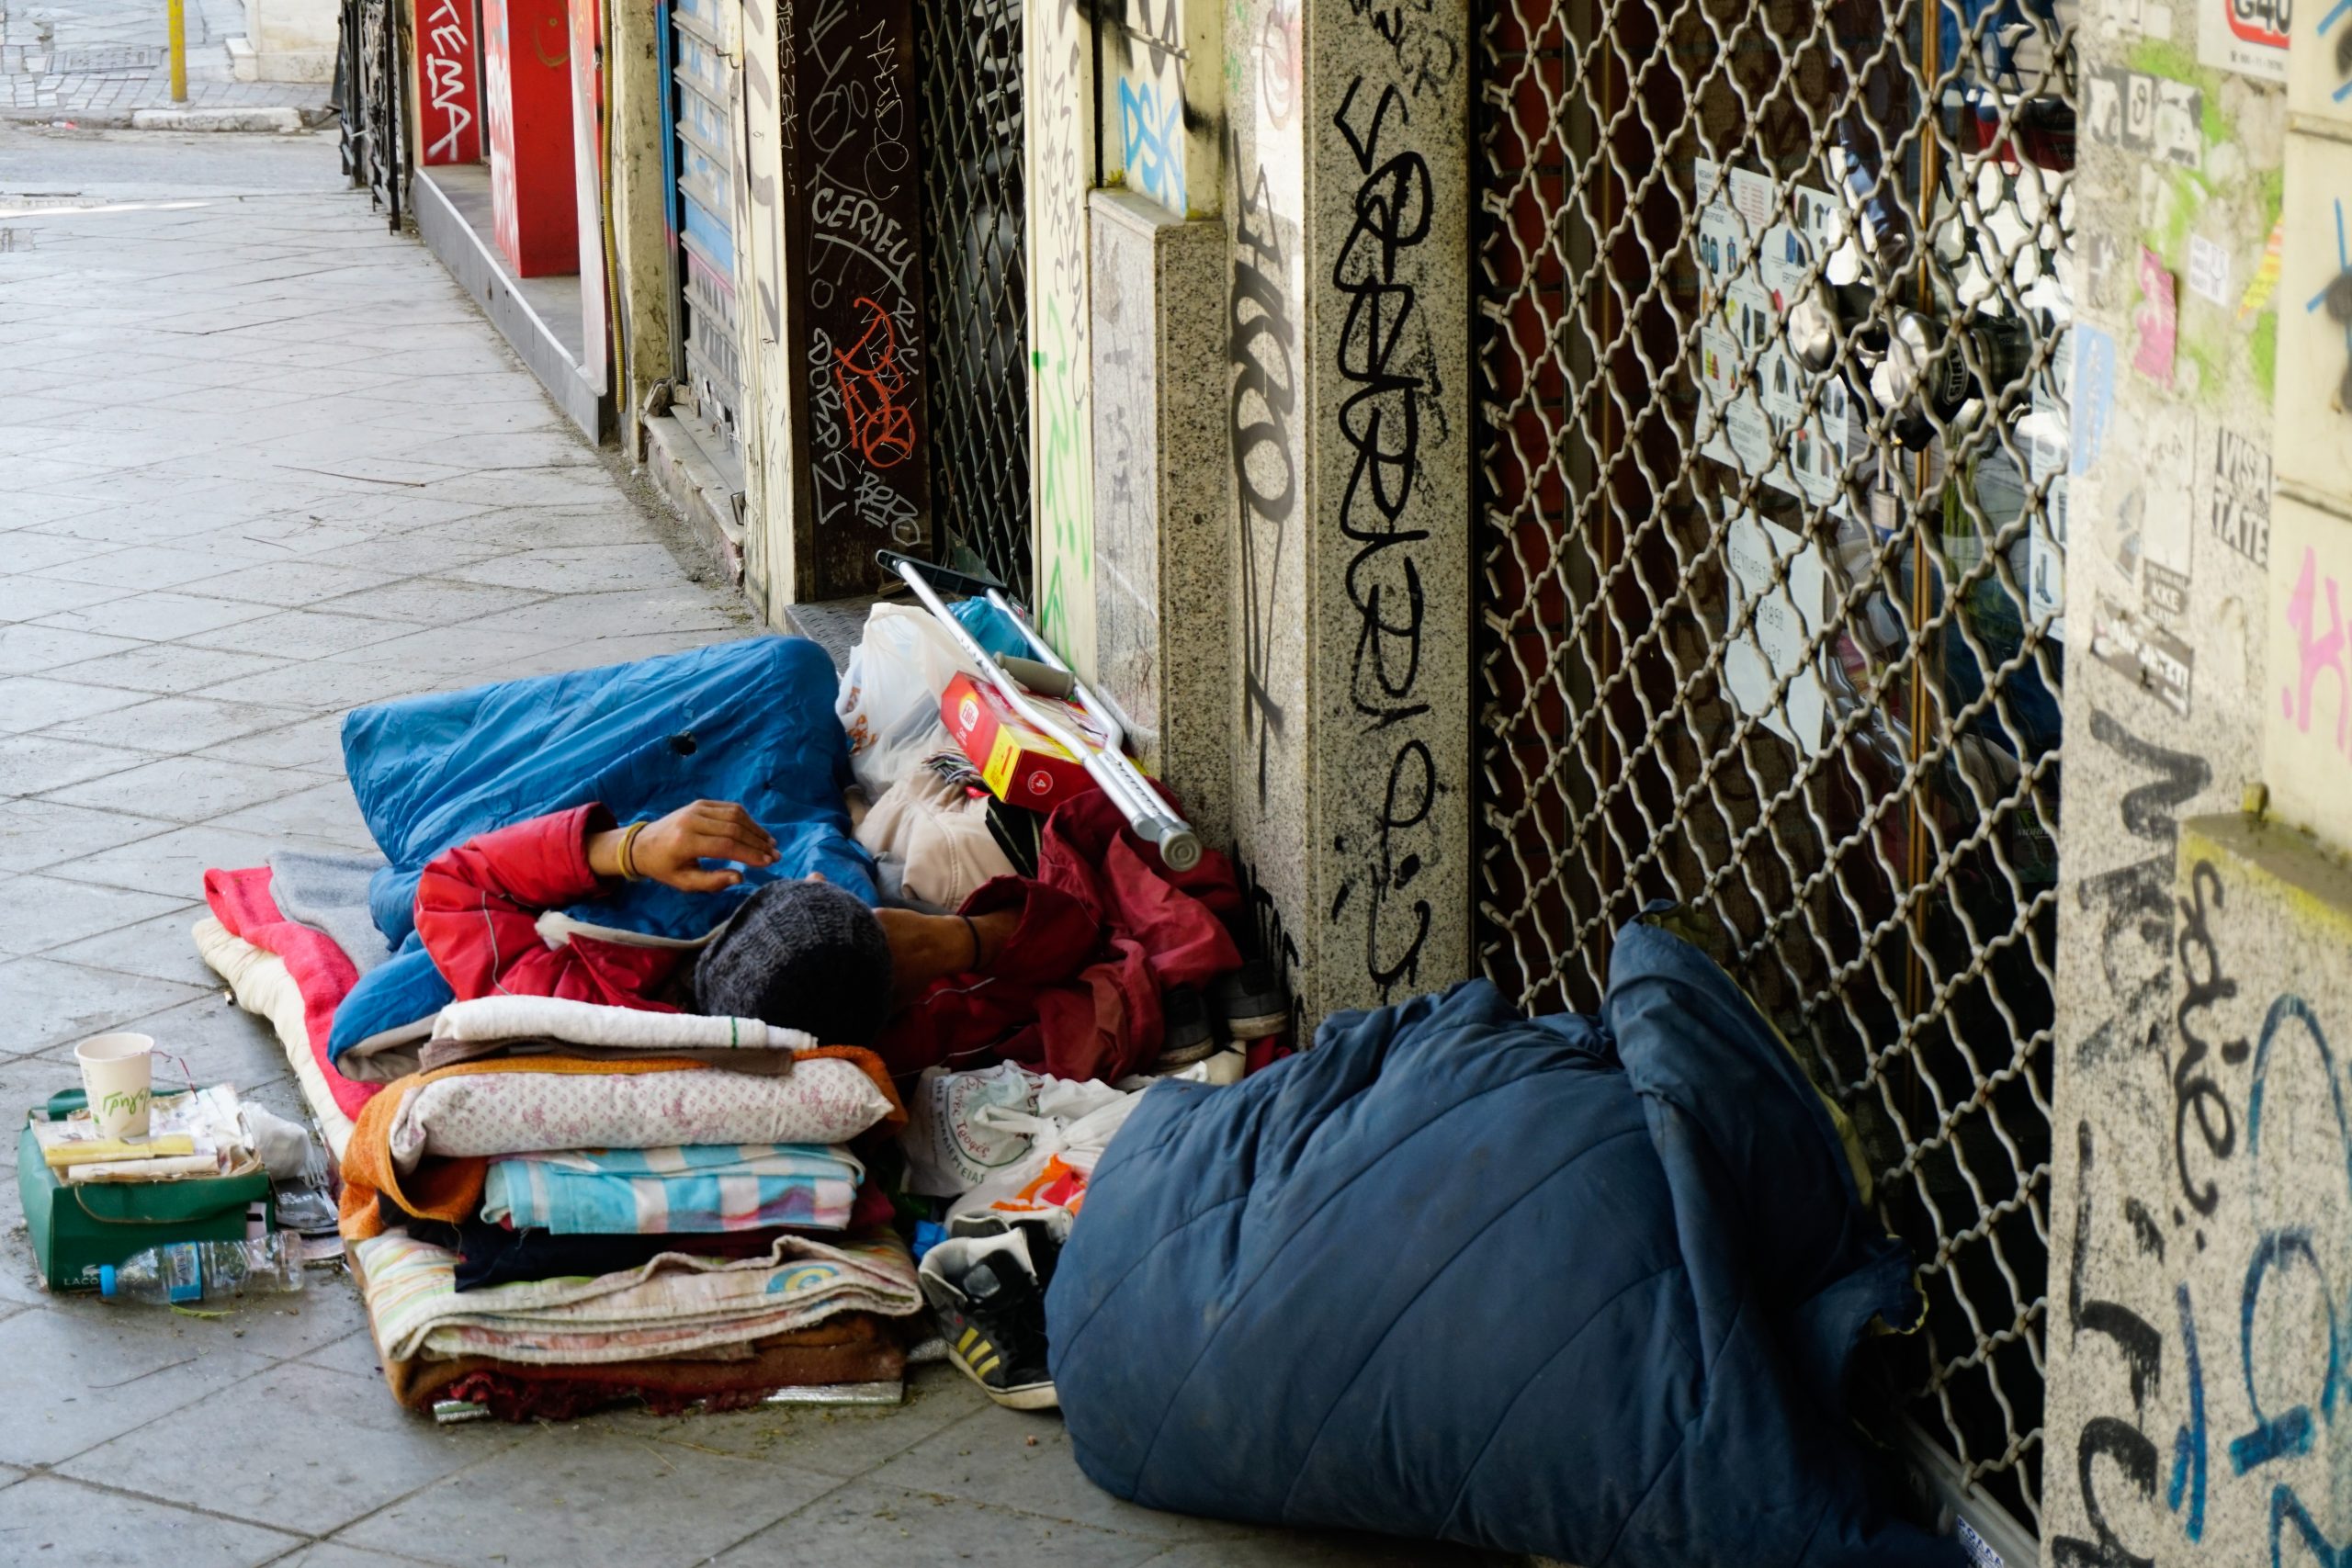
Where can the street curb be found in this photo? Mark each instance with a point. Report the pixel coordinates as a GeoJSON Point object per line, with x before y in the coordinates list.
{"type": "Point", "coordinates": [282, 120]}
{"type": "Point", "coordinates": [129, 119]}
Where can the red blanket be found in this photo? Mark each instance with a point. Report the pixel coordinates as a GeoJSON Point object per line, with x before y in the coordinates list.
{"type": "Point", "coordinates": [1104, 931]}
{"type": "Point", "coordinates": [242, 901]}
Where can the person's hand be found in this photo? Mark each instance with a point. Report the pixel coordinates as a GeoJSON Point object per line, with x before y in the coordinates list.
{"type": "Point", "coordinates": [671, 850]}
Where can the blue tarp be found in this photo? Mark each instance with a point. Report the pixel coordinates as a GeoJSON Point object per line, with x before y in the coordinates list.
{"type": "Point", "coordinates": [1582, 1287]}
{"type": "Point", "coordinates": [750, 721]}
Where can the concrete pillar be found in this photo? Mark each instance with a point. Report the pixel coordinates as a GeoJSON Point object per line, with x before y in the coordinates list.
{"type": "Point", "coordinates": [833, 273]}
{"type": "Point", "coordinates": [1349, 443]}
{"type": "Point", "coordinates": [1058, 49]}
{"type": "Point", "coordinates": [765, 176]}
{"type": "Point", "coordinates": [1162, 560]}
{"type": "Point", "coordinates": [643, 287]}
{"type": "Point", "coordinates": [2200, 1198]}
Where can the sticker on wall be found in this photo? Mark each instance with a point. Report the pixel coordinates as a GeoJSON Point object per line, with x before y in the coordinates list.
{"type": "Point", "coordinates": [2265, 281]}
{"type": "Point", "coordinates": [2237, 504]}
{"type": "Point", "coordinates": [2248, 37]}
{"type": "Point", "coordinates": [2209, 270]}
{"type": "Point", "coordinates": [2148, 656]}
{"type": "Point", "coordinates": [2094, 391]}
{"type": "Point", "coordinates": [2157, 321]}
{"type": "Point", "coordinates": [1788, 616]}
{"type": "Point", "coordinates": [2152, 116]}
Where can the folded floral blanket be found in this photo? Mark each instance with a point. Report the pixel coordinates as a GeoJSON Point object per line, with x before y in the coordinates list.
{"type": "Point", "coordinates": [824, 1100]}
{"type": "Point", "coordinates": [702, 1186]}
{"type": "Point", "coordinates": [673, 1305]}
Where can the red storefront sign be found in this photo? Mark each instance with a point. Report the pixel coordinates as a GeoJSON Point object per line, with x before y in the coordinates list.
{"type": "Point", "coordinates": [448, 89]}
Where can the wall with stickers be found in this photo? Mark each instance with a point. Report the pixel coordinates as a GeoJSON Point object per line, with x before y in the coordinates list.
{"type": "Point", "coordinates": [2202, 1212]}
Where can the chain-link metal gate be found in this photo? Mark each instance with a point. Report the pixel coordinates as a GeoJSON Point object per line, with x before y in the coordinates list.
{"type": "Point", "coordinates": [1773, 425]}
{"type": "Point", "coordinates": [967, 58]}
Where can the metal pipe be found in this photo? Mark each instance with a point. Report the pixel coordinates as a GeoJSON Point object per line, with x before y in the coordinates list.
{"type": "Point", "coordinates": [176, 14]}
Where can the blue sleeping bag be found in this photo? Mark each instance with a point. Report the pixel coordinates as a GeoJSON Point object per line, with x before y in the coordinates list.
{"type": "Point", "coordinates": [1583, 1288]}
{"type": "Point", "coordinates": [750, 721]}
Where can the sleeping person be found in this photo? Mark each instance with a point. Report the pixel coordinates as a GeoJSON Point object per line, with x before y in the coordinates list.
{"type": "Point", "coordinates": [796, 954]}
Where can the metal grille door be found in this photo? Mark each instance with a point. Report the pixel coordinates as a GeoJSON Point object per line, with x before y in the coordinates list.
{"type": "Point", "coordinates": [702, 84]}
{"type": "Point", "coordinates": [967, 60]}
{"type": "Point", "coordinates": [1771, 388]}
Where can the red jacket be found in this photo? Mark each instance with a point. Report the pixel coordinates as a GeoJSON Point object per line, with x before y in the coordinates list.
{"type": "Point", "coordinates": [478, 907]}
{"type": "Point", "coordinates": [1104, 929]}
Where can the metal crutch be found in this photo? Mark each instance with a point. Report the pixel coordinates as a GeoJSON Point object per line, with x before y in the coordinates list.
{"type": "Point", "coordinates": [1145, 811]}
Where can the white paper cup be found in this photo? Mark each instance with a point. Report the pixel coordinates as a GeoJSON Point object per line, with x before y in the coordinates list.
{"type": "Point", "coordinates": [118, 1074]}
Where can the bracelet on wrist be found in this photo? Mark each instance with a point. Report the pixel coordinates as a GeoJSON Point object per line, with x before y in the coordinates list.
{"type": "Point", "coordinates": [628, 852]}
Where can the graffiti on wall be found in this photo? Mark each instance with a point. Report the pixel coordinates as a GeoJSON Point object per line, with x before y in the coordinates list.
{"type": "Point", "coordinates": [448, 105]}
{"type": "Point", "coordinates": [1166, 124]}
{"type": "Point", "coordinates": [1262, 342]}
{"type": "Point", "coordinates": [2212, 1307]}
{"type": "Point", "coordinates": [1389, 417]}
{"type": "Point", "coordinates": [861, 282]}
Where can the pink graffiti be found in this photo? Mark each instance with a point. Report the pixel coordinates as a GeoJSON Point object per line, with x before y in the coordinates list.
{"type": "Point", "coordinates": [2316, 655]}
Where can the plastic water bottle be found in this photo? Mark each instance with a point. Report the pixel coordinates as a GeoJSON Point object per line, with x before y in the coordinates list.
{"type": "Point", "coordinates": [188, 1271]}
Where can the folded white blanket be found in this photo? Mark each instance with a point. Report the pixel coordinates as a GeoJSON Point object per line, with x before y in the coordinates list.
{"type": "Point", "coordinates": [588, 1023]}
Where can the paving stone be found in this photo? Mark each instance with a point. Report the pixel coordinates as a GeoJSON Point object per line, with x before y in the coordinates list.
{"type": "Point", "coordinates": [33, 764]}
{"type": "Point", "coordinates": [989, 1457]}
{"type": "Point", "coordinates": [313, 1449]}
{"type": "Point", "coordinates": [302, 634]}
{"type": "Point", "coordinates": [314, 745]}
{"type": "Point", "coordinates": [35, 597]}
{"type": "Point", "coordinates": [160, 948]}
{"type": "Point", "coordinates": [574, 1495]}
{"type": "Point", "coordinates": [326, 812]}
{"type": "Point", "coordinates": [26, 649]}
{"type": "Point", "coordinates": [37, 833]}
{"type": "Point", "coordinates": [83, 1525]}
{"type": "Point", "coordinates": [169, 668]}
{"type": "Point", "coordinates": [867, 1522]}
{"type": "Point", "coordinates": [171, 863]}
{"type": "Point", "coordinates": [52, 1003]}
{"type": "Point", "coordinates": [148, 567]}
{"type": "Point", "coordinates": [590, 569]}
{"type": "Point", "coordinates": [81, 1371]}
{"type": "Point", "coordinates": [174, 724]}
{"type": "Point", "coordinates": [845, 1442]}
{"type": "Point", "coordinates": [186, 789]}
{"type": "Point", "coordinates": [37, 913]}
{"type": "Point", "coordinates": [35, 702]}
{"type": "Point", "coordinates": [154, 617]}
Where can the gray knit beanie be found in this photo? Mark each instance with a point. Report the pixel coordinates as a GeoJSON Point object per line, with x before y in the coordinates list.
{"type": "Point", "coordinates": [801, 955]}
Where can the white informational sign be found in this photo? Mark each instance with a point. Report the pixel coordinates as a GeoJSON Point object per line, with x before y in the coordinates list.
{"type": "Point", "coordinates": [1788, 616]}
{"type": "Point", "coordinates": [1752, 264]}
{"type": "Point", "coordinates": [2248, 37]}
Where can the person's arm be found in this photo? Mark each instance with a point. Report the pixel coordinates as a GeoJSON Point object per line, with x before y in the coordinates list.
{"type": "Point", "coordinates": [478, 905]}
{"type": "Point", "coordinates": [671, 850]}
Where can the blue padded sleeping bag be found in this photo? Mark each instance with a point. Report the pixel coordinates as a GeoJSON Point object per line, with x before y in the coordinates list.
{"type": "Point", "coordinates": [1583, 1288]}
{"type": "Point", "coordinates": [749, 720]}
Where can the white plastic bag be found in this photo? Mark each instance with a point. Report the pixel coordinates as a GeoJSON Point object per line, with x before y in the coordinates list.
{"type": "Point", "coordinates": [889, 697]}
{"type": "Point", "coordinates": [989, 1131]}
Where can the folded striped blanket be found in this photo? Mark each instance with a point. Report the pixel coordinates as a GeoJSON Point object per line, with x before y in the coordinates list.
{"type": "Point", "coordinates": [698, 1186]}
{"type": "Point", "coordinates": [673, 1305]}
